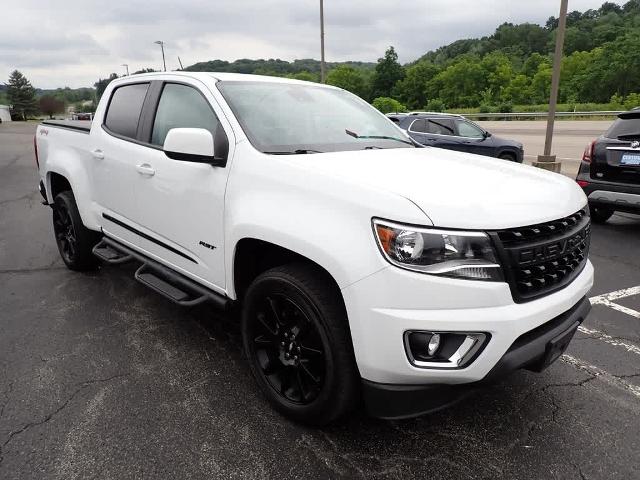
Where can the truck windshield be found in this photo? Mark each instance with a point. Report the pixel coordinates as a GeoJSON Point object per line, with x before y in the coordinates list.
{"type": "Point", "coordinates": [291, 118]}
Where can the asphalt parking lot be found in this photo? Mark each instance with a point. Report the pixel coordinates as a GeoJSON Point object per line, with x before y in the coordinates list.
{"type": "Point", "coordinates": [102, 378]}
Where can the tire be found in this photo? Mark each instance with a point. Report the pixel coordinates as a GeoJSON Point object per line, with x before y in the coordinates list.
{"type": "Point", "coordinates": [507, 156]}
{"type": "Point", "coordinates": [600, 214]}
{"type": "Point", "coordinates": [297, 341]}
{"type": "Point", "coordinates": [75, 241]}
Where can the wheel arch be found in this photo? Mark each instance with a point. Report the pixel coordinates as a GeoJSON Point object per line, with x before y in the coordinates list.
{"type": "Point", "coordinates": [253, 256]}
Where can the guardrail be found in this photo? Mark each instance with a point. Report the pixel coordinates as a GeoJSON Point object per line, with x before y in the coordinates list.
{"type": "Point", "coordinates": [603, 113]}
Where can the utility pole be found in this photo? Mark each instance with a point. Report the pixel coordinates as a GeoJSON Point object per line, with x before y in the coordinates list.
{"type": "Point", "coordinates": [127, 67]}
{"type": "Point", "coordinates": [322, 66]}
{"type": "Point", "coordinates": [548, 161]}
{"type": "Point", "coordinates": [161, 43]}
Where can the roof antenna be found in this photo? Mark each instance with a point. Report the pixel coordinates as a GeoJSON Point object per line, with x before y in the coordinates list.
{"type": "Point", "coordinates": [180, 62]}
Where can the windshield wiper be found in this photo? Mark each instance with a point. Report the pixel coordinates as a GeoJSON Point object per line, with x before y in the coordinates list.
{"type": "Point", "coordinates": [377, 137]}
{"type": "Point", "coordinates": [299, 151]}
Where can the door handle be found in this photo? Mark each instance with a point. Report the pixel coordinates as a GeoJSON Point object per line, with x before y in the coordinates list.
{"type": "Point", "coordinates": [145, 169]}
{"type": "Point", "coordinates": [97, 153]}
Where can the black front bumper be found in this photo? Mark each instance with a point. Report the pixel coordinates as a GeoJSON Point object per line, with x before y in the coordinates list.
{"type": "Point", "coordinates": [534, 350]}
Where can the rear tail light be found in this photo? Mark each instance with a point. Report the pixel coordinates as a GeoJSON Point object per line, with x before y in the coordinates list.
{"type": "Point", "coordinates": [587, 156]}
{"type": "Point", "coordinates": [582, 183]}
{"type": "Point", "coordinates": [35, 148]}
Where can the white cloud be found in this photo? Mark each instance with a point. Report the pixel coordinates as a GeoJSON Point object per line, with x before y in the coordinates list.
{"type": "Point", "coordinates": [73, 42]}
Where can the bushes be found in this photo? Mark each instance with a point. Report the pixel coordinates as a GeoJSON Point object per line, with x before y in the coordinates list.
{"type": "Point", "coordinates": [435, 105]}
{"type": "Point", "coordinates": [388, 105]}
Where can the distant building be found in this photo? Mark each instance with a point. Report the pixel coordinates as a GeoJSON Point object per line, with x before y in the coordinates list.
{"type": "Point", "coordinates": [5, 114]}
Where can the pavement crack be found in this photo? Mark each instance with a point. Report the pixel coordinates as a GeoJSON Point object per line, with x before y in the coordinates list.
{"type": "Point", "coordinates": [47, 418]}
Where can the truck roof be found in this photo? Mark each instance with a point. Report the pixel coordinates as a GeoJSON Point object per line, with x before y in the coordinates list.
{"type": "Point", "coordinates": [226, 76]}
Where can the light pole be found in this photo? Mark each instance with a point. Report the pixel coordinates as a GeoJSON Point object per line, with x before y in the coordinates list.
{"type": "Point", "coordinates": [322, 66]}
{"type": "Point", "coordinates": [125, 65]}
{"type": "Point", "coordinates": [161, 43]}
{"type": "Point", "coordinates": [548, 161]}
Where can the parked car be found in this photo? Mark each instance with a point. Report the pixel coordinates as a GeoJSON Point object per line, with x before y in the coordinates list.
{"type": "Point", "coordinates": [363, 266]}
{"type": "Point", "coordinates": [610, 169]}
{"type": "Point", "coordinates": [454, 132]}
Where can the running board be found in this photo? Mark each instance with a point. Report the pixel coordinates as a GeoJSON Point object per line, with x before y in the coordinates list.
{"type": "Point", "coordinates": [113, 256]}
{"type": "Point", "coordinates": [165, 281]}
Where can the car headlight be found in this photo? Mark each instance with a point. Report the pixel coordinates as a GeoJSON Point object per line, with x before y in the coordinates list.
{"type": "Point", "coordinates": [448, 253]}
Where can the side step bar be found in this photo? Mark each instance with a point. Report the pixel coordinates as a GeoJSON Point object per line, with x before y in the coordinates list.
{"type": "Point", "coordinates": [165, 281]}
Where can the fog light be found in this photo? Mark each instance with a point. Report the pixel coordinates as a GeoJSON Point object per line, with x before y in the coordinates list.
{"type": "Point", "coordinates": [434, 344]}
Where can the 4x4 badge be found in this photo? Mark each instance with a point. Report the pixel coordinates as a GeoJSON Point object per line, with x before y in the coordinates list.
{"type": "Point", "coordinates": [635, 144]}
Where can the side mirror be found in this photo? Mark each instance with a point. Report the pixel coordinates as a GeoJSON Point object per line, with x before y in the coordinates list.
{"type": "Point", "coordinates": [487, 134]}
{"type": "Point", "coordinates": [195, 145]}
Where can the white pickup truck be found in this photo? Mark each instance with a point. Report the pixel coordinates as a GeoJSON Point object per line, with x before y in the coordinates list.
{"type": "Point", "coordinates": [364, 267]}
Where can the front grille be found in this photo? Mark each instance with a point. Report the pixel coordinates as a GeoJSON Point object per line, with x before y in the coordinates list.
{"type": "Point", "coordinates": [543, 258]}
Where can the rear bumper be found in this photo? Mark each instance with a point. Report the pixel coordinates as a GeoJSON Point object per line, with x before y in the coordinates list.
{"type": "Point", "coordinates": [619, 196]}
{"type": "Point", "coordinates": [533, 350]}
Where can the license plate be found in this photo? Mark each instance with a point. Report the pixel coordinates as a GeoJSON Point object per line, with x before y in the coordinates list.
{"type": "Point", "coordinates": [630, 159]}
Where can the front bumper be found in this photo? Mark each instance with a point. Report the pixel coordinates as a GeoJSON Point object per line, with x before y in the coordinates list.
{"type": "Point", "coordinates": [533, 350]}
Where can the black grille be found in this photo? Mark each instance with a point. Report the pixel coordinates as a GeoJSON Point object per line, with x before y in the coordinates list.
{"type": "Point", "coordinates": [540, 259]}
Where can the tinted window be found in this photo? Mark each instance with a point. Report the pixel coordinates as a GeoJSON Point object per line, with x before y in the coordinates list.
{"type": "Point", "coordinates": [181, 107]}
{"type": "Point", "coordinates": [419, 126]}
{"type": "Point", "coordinates": [124, 109]}
{"type": "Point", "coordinates": [466, 129]}
{"type": "Point", "coordinates": [440, 126]}
{"type": "Point", "coordinates": [625, 128]}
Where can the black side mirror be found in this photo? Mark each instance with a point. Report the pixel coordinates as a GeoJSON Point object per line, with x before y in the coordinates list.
{"type": "Point", "coordinates": [487, 134]}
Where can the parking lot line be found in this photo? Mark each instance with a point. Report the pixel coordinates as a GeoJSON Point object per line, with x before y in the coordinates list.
{"type": "Point", "coordinates": [630, 347]}
{"type": "Point", "coordinates": [607, 299]}
{"type": "Point", "coordinates": [601, 374]}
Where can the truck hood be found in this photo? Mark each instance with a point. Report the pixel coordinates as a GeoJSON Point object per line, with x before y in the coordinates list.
{"type": "Point", "coordinates": [454, 189]}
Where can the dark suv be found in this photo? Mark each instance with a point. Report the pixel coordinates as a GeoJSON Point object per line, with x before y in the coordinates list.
{"type": "Point", "coordinates": [455, 132]}
{"type": "Point", "coordinates": [610, 169]}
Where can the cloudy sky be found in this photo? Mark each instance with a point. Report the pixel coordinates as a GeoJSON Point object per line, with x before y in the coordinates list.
{"type": "Point", "coordinates": [73, 42]}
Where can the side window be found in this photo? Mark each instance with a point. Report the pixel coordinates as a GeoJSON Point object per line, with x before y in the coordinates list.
{"type": "Point", "coordinates": [182, 106]}
{"type": "Point", "coordinates": [469, 130]}
{"type": "Point", "coordinates": [441, 126]}
{"type": "Point", "coordinates": [418, 126]}
{"type": "Point", "coordinates": [124, 109]}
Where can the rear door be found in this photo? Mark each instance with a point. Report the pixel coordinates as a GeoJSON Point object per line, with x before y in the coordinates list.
{"type": "Point", "coordinates": [181, 203]}
{"type": "Point", "coordinates": [441, 131]}
{"type": "Point", "coordinates": [418, 131]}
{"type": "Point", "coordinates": [114, 152]}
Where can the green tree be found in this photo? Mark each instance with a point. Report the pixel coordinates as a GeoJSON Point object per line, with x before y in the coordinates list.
{"type": "Point", "coordinates": [348, 78]}
{"type": "Point", "coordinates": [412, 90]}
{"type": "Point", "coordinates": [518, 90]}
{"type": "Point", "coordinates": [306, 76]}
{"type": "Point", "coordinates": [388, 105]}
{"type": "Point", "coordinates": [101, 85]}
{"type": "Point", "coordinates": [21, 95]}
{"type": "Point", "coordinates": [388, 73]}
{"type": "Point", "coordinates": [461, 84]}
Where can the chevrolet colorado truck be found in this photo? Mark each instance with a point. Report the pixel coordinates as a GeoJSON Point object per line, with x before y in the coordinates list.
{"type": "Point", "coordinates": [366, 268]}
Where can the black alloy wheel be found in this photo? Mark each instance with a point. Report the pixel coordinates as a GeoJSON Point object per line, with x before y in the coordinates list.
{"type": "Point", "coordinates": [288, 349]}
{"type": "Point", "coordinates": [75, 241]}
{"type": "Point", "coordinates": [296, 337]}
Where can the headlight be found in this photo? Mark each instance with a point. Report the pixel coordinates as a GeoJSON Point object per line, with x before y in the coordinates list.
{"type": "Point", "coordinates": [438, 252]}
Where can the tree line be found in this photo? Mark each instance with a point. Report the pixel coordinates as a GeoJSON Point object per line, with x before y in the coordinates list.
{"type": "Point", "coordinates": [493, 73]}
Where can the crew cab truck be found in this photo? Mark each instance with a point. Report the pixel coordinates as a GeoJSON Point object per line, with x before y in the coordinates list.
{"type": "Point", "coordinates": [364, 266]}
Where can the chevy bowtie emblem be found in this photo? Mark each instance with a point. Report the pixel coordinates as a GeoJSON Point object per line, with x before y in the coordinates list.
{"type": "Point", "coordinates": [635, 144]}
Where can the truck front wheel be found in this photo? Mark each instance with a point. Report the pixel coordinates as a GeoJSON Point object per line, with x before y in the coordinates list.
{"type": "Point", "coordinates": [75, 241]}
{"type": "Point", "coordinates": [296, 337]}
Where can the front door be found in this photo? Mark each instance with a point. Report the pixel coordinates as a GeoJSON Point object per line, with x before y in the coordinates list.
{"type": "Point", "coordinates": [181, 203]}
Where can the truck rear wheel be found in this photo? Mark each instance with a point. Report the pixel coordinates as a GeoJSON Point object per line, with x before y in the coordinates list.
{"type": "Point", "coordinates": [296, 338]}
{"type": "Point", "coordinates": [75, 241]}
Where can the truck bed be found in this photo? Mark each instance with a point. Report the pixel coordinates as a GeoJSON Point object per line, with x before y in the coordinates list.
{"type": "Point", "coordinates": [80, 125]}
